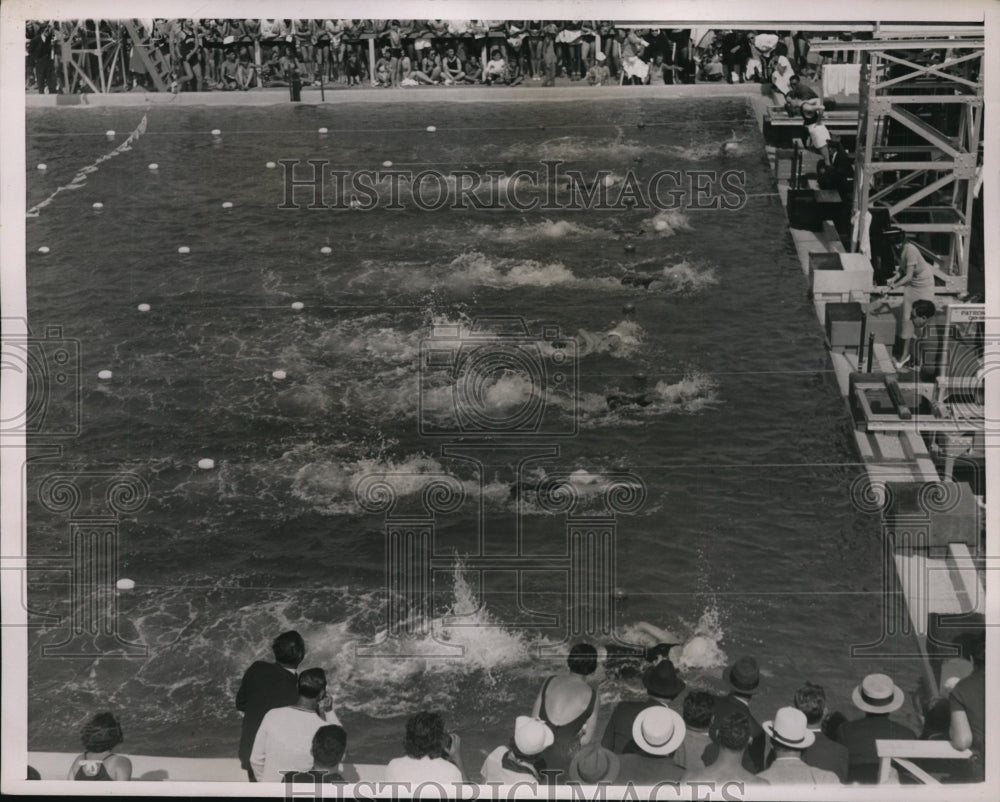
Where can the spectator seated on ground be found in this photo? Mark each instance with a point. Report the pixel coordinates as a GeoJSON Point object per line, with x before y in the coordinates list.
{"type": "Point", "coordinates": [452, 71]}
{"type": "Point", "coordinates": [711, 68]}
{"type": "Point", "coordinates": [599, 74]}
{"type": "Point", "coordinates": [496, 69]}
{"type": "Point", "coordinates": [353, 69]}
{"type": "Point", "coordinates": [229, 75]}
{"type": "Point", "coordinates": [383, 69]}
{"type": "Point", "coordinates": [473, 70]}
{"type": "Point", "coordinates": [245, 73]}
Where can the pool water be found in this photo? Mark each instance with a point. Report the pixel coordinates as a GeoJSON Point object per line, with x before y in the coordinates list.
{"type": "Point", "coordinates": [747, 540]}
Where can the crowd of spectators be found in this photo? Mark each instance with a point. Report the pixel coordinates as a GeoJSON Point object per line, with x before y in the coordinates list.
{"type": "Point", "coordinates": [235, 54]}
{"type": "Point", "coordinates": [291, 732]}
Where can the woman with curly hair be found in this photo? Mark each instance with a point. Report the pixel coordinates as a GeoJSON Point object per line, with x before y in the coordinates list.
{"type": "Point", "coordinates": [100, 736]}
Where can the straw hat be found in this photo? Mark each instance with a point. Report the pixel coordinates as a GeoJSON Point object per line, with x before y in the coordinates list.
{"type": "Point", "coordinates": [877, 693]}
{"type": "Point", "coordinates": [790, 728]}
{"type": "Point", "coordinates": [658, 730]}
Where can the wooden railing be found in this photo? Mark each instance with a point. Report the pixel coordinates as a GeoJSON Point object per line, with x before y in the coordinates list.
{"type": "Point", "coordinates": [893, 754]}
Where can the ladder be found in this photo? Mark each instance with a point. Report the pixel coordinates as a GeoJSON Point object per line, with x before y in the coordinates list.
{"type": "Point", "coordinates": [156, 65]}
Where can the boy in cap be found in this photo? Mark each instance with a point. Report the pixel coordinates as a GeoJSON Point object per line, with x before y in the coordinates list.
{"type": "Point", "coordinates": [743, 678]}
{"type": "Point", "coordinates": [824, 752]}
{"type": "Point", "coordinates": [790, 734]}
{"type": "Point", "coordinates": [662, 686]}
{"type": "Point", "coordinates": [520, 762]}
{"type": "Point", "coordinates": [877, 696]}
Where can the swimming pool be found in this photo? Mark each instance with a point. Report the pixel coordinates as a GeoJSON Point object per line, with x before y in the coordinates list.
{"type": "Point", "coordinates": [747, 536]}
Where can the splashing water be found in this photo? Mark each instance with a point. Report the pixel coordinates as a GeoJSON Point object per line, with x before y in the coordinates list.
{"type": "Point", "coordinates": [544, 229]}
{"type": "Point", "coordinates": [669, 222]}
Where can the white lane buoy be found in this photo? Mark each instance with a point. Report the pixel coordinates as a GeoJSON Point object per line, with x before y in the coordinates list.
{"type": "Point", "coordinates": [43, 167]}
{"type": "Point", "coordinates": [323, 131]}
{"type": "Point", "coordinates": [184, 249]}
{"type": "Point", "coordinates": [387, 163]}
{"type": "Point", "coordinates": [326, 249]}
{"type": "Point", "coordinates": [125, 584]}
{"type": "Point", "coordinates": [143, 307]}
{"type": "Point", "coordinates": [621, 594]}
{"type": "Point", "coordinates": [431, 129]}
{"type": "Point", "coordinates": [104, 374]}
{"type": "Point", "coordinates": [154, 166]}
{"type": "Point", "coordinates": [628, 309]}
{"type": "Point", "coordinates": [216, 132]}
{"type": "Point", "coordinates": [297, 305]}
{"type": "Point", "coordinates": [44, 249]}
{"type": "Point", "coordinates": [279, 374]}
{"type": "Point", "coordinates": [109, 133]}
{"type": "Point", "coordinates": [206, 464]}
{"type": "Point", "coordinates": [270, 165]}
{"type": "Point", "coordinates": [98, 206]}
{"type": "Point", "coordinates": [227, 204]}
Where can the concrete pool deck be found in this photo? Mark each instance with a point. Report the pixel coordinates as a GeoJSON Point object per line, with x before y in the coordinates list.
{"type": "Point", "coordinates": [532, 92]}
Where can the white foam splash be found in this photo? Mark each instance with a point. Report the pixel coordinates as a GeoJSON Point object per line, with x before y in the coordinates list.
{"type": "Point", "coordinates": [669, 222]}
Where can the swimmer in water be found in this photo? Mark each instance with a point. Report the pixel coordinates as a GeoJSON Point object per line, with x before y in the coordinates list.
{"type": "Point", "coordinates": [731, 145]}
{"type": "Point", "coordinates": [653, 645]}
{"type": "Point", "coordinates": [616, 400]}
{"type": "Point", "coordinates": [591, 343]}
{"type": "Point", "coordinates": [639, 280]}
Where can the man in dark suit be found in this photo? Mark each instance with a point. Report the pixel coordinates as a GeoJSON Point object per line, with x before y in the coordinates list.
{"type": "Point", "coordinates": [877, 696]}
{"type": "Point", "coordinates": [266, 686]}
{"type": "Point", "coordinates": [824, 753]}
{"type": "Point", "coordinates": [743, 677]}
{"type": "Point", "coordinates": [42, 51]}
{"type": "Point", "coordinates": [662, 685]}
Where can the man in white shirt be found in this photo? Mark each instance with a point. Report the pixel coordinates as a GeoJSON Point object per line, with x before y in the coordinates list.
{"type": "Point", "coordinates": [284, 740]}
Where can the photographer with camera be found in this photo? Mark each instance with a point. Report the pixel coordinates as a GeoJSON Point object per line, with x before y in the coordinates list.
{"type": "Point", "coordinates": [432, 753]}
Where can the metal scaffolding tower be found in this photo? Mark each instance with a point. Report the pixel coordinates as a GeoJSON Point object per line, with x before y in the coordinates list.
{"type": "Point", "coordinates": [920, 133]}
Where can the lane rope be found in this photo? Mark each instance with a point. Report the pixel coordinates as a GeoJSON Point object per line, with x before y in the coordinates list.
{"type": "Point", "coordinates": [81, 177]}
